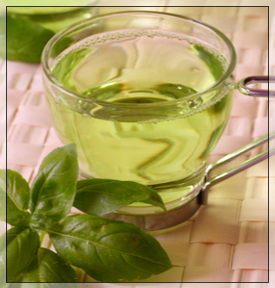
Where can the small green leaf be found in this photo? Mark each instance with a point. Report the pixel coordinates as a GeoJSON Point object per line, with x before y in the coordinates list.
{"type": "Point", "coordinates": [49, 267]}
{"type": "Point", "coordinates": [25, 39]}
{"type": "Point", "coordinates": [17, 199]}
{"type": "Point", "coordinates": [109, 251]}
{"type": "Point", "coordinates": [18, 189]}
{"type": "Point", "coordinates": [54, 187]}
{"type": "Point", "coordinates": [3, 186]}
{"type": "Point", "coordinates": [22, 246]}
{"type": "Point", "coordinates": [102, 196]}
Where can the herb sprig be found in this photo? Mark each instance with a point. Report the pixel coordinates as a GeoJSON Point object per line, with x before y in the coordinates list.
{"type": "Point", "coordinates": [108, 251]}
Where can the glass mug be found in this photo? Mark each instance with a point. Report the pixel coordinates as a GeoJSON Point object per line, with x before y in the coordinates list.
{"type": "Point", "coordinates": [145, 96]}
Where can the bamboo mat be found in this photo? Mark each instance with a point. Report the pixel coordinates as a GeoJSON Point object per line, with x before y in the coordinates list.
{"type": "Point", "coordinates": [227, 241]}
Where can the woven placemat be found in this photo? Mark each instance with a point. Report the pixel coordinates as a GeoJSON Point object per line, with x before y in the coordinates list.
{"type": "Point", "coordinates": [227, 241]}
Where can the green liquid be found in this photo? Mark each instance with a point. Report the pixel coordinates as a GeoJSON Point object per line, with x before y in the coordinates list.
{"type": "Point", "coordinates": [150, 147]}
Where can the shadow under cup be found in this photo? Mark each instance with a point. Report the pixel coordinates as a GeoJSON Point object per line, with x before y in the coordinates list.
{"type": "Point", "coordinates": [145, 96]}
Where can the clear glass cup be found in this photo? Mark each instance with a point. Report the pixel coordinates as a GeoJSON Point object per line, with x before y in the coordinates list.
{"type": "Point", "coordinates": [145, 96]}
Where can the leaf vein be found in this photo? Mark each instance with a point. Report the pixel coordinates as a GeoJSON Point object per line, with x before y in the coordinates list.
{"type": "Point", "coordinates": [100, 258]}
{"type": "Point", "coordinates": [137, 268]}
{"type": "Point", "coordinates": [51, 270]}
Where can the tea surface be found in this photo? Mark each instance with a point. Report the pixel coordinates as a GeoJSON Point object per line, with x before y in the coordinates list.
{"type": "Point", "coordinates": [148, 146]}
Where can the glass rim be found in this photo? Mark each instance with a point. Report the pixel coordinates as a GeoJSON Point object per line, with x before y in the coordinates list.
{"type": "Point", "coordinates": [59, 35]}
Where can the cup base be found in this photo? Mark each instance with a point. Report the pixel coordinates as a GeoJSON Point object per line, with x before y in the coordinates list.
{"type": "Point", "coordinates": [160, 221]}
{"type": "Point", "coordinates": [184, 202]}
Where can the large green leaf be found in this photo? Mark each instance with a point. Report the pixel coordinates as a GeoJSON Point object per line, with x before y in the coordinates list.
{"type": "Point", "coordinates": [102, 196]}
{"type": "Point", "coordinates": [22, 247]}
{"type": "Point", "coordinates": [54, 187]}
{"type": "Point", "coordinates": [25, 39]}
{"type": "Point", "coordinates": [49, 267]}
{"type": "Point", "coordinates": [17, 199]}
{"type": "Point", "coordinates": [109, 251]}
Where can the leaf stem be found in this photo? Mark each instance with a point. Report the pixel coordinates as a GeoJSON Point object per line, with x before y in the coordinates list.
{"type": "Point", "coordinates": [43, 233]}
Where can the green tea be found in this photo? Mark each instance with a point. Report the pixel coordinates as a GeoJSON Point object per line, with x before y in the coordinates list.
{"type": "Point", "coordinates": [149, 145]}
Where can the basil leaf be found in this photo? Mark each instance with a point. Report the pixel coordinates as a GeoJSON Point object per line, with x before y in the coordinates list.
{"type": "Point", "coordinates": [109, 251]}
{"type": "Point", "coordinates": [49, 267]}
{"type": "Point", "coordinates": [54, 187]}
{"type": "Point", "coordinates": [102, 196]}
{"type": "Point", "coordinates": [25, 39]}
{"type": "Point", "coordinates": [3, 185]}
{"type": "Point", "coordinates": [17, 199]}
{"type": "Point", "coordinates": [18, 189]}
{"type": "Point", "coordinates": [10, 236]}
{"type": "Point", "coordinates": [22, 246]}
{"type": "Point", "coordinates": [3, 283]}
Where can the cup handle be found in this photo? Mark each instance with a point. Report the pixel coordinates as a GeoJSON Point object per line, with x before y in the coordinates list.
{"type": "Point", "coordinates": [242, 86]}
{"type": "Point", "coordinates": [209, 182]}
